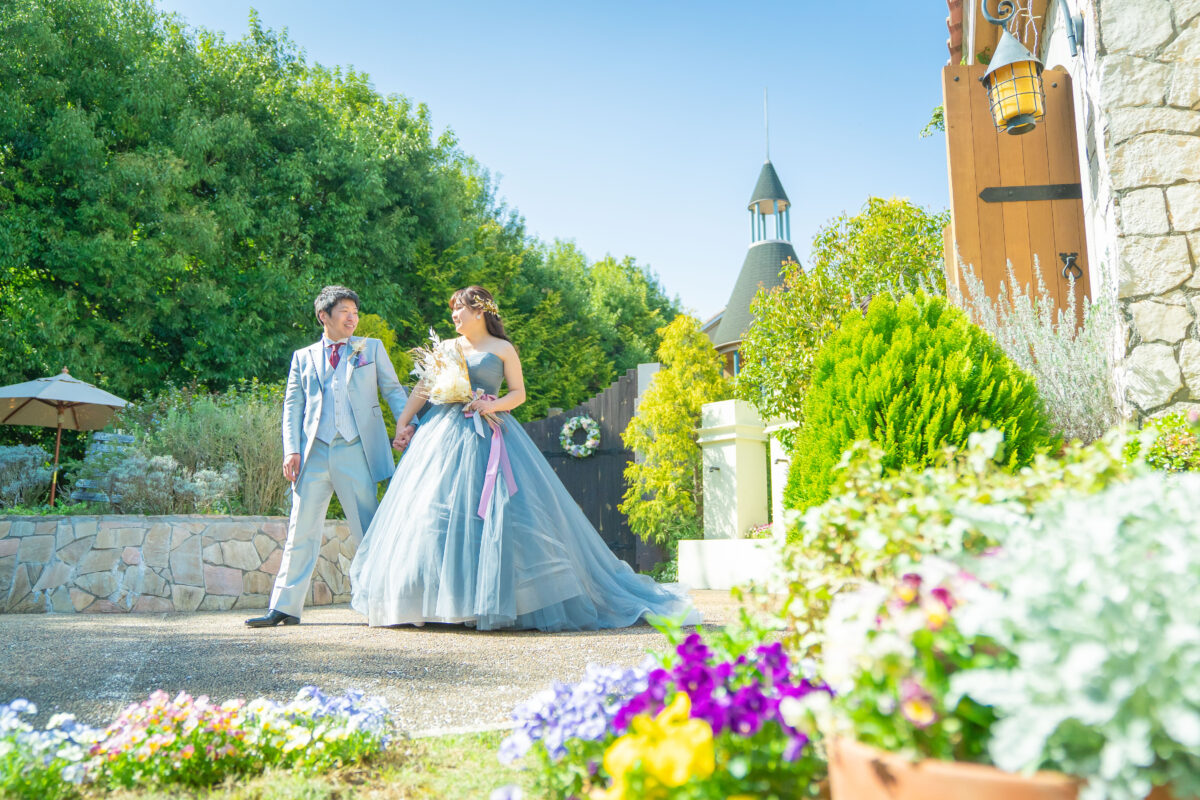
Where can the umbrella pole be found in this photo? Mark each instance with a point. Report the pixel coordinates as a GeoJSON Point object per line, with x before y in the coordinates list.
{"type": "Point", "coordinates": [54, 475]}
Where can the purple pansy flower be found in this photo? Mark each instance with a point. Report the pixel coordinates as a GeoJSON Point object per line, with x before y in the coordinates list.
{"type": "Point", "coordinates": [693, 650]}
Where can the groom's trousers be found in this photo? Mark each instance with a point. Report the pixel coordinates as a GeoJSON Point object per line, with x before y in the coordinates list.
{"type": "Point", "coordinates": [340, 467]}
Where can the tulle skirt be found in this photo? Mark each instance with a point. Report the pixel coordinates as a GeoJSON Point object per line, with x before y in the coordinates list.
{"type": "Point", "coordinates": [532, 561]}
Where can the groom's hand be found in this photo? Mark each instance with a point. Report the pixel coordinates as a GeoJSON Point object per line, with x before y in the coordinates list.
{"type": "Point", "coordinates": [291, 466]}
{"type": "Point", "coordinates": [403, 437]}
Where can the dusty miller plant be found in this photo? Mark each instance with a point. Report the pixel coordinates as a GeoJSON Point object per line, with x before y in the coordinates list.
{"type": "Point", "coordinates": [1073, 366]}
{"type": "Point", "coordinates": [140, 483]}
{"type": "Point", "coordinates": [1098, 603]}
{"type": "Point", "coordinates": [24, 475]}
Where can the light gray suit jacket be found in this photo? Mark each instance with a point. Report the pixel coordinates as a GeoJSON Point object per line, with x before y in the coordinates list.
{"type": "Point", "coordinates": [369, 376]}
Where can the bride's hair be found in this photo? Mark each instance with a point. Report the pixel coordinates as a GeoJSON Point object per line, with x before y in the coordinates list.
{"type": "Point", "coordinates": [481, 299]}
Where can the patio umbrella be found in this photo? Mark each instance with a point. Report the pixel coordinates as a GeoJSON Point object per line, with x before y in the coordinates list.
{"type": "Point", "coordinates": [58, 402]}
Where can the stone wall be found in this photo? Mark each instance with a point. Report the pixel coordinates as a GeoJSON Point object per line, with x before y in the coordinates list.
{"type": "Point", "coordinates": [170, 563]}
{"type": "Point", "coordinates": [1137, 84]}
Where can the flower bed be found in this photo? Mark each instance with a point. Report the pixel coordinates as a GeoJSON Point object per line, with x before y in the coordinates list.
{"type": "Point", "coordinates": [702, 721]}
{"type": "Point", "coordinates": [186, 741]}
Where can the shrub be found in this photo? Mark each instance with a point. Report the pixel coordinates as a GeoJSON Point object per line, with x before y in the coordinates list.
{"type": "Point", "coordinates": [664, 495]}
{"type": "Point", "coordinates": [1168, 443]}
{"type": "Point", "coordinates": [239, 426]}
{"type": "Point", "coordinates": [24, 475]}
{"type": "Point", "coordinates": [914, 376]}
{"type": "Point", "coordinates": [890, 245]}
{"type": "Point", "coordinates": [1073, 366]}
{"type": "Point", "coordinates": [877, 521]}
{"type": "Point", "coordinates": [140, 483]}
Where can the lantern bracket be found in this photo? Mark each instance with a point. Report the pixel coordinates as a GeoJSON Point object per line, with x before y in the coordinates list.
{"type": "Point", "coordinates": [1074, 25]}
{"type": "Point", "coordinates": [1005, 11]}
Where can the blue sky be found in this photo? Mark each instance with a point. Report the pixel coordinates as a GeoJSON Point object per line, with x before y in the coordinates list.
{"type": "Point", "coordinates": [636, 128]}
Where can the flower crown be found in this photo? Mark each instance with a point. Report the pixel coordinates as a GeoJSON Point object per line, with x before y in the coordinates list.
{"type": "Point", "coordinates": [486, 305]}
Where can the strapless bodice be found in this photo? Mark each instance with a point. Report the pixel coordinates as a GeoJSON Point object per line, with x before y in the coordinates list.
{"type": "Point", "coordinates": [486, 371]}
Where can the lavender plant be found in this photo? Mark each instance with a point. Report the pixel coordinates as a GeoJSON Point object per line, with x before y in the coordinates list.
{"type": "Point", "coordinates": [1074, 366]}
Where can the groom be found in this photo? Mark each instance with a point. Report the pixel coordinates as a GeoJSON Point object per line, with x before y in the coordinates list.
{"type": "Point", "coordinates": [334, 440]}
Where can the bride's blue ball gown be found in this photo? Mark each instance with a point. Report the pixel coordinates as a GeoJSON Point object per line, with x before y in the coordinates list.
{"type": "Point", "coordinates": [533, 560]}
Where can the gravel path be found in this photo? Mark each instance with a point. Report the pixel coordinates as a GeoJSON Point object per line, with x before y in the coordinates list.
{"type": "Point", "coordinates": [436, 678]}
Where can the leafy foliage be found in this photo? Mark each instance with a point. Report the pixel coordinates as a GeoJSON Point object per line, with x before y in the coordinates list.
{"type": "Point", "coordinates": [664, 494]}
{"type": "Point", "coordinates": [172, 201]}
{"type": "Point", "coordinates": [891, 653]}
{"type": "Point", "coordinates": [1074, 366]}
{"type": "Point", "coordinates": [914, 376]}
{"type": "Point", "coordinates": [877, 520]}
{"type": "Point", "coordinates": [936, 124]}
{"type": "Point", "coordinates": [199, 431]}
{"type": "Point", "coordinates": [1168, 443]}
{"type": "Point", "coordinates": [890, 244]}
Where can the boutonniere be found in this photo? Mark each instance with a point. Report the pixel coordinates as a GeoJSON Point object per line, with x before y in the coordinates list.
{"type": "Point", "coordinates": [357, 352]}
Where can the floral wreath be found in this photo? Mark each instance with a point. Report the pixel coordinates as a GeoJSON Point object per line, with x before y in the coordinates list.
{"type": "Point", "coordinates": [566, 437]}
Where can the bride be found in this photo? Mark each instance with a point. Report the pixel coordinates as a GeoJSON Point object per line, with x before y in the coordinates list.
{"type": "Point", "coordinates": [449, 545]}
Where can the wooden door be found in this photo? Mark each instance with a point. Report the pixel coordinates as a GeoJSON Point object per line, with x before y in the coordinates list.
{"type": "Point", "coordinates": [1014, 197]}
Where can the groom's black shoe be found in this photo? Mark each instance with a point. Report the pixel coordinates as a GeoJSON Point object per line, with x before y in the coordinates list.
{"type": "Point", "coordinates": [272, 619]}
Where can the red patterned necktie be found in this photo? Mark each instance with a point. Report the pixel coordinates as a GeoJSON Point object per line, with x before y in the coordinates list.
{"type": "Point", "coordinates": [334, 358]}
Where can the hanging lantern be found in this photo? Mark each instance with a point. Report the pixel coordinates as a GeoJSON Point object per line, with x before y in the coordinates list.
{"type": "Point", "coordinates": [1014, 86]}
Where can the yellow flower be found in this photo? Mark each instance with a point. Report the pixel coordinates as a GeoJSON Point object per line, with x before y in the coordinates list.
{"type": "Point", "coordinates": [672, 748]}
{"type": "Point", "coordinates": [919, 712]}
{"type": "Point", "coordinates": [937, 617]}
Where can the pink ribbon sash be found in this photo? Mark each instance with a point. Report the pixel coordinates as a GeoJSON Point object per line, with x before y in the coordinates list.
{"type": "Point", "coordinates": [497, 461]}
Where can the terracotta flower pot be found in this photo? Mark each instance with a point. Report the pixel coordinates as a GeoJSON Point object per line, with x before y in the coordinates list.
{"type": "Point", "coordinates": [860, 772]}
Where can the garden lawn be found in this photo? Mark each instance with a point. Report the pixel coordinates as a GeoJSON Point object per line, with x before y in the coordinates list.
{"type": "Point", "coordinates": [440, 767]}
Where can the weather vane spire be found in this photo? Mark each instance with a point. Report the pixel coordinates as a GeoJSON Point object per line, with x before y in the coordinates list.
{"type": "Point", "coordinates": [766, 124]}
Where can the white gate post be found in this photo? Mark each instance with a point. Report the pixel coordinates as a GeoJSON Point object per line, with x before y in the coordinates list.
{"type": "Point", "coordinates": [734, 458]}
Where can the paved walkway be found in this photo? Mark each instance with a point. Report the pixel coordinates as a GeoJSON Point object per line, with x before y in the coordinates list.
{"type": "Point", "coordinates": [436, 678]}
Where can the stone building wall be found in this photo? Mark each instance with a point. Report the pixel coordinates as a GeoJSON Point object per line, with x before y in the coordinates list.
{"type": "Point", "coordinates": [1137, 85]}
{"type": "Point", "coordinates": [156, 564]}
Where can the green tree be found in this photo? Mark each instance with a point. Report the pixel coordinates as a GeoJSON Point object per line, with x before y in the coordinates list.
{"type": "Point", "coordinates": [664, 495]}
{"type": "Point", "coordinates": [889, 245]}
{"type": "Point", "coordinates": [171, 201]}
{"type": "Point", "coordinates": [629, 307]}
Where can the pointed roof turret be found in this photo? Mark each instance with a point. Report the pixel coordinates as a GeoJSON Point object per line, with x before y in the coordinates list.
{"type": "Point", "coordinates": [768, 191]}
{"type": "Point", "coordinates": [764, 262]}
